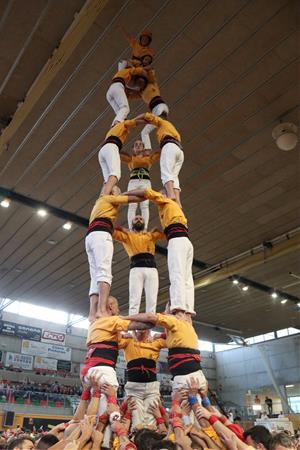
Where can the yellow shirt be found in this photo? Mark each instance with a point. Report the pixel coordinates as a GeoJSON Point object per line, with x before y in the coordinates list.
{"type": "Point", "coordinates": [152, 88]}
{"type": "Point", "coordinates": [121, 130]}
{"type": "Point", "coordinates": [138, 242]}
{"type": "Point", "coordinates": [138, 50]}
{"type": "Point", "coordinates": [179, 332]}
{"type": "Point", "coordinates": [107, 206]}
{"type": "Point", "coordinates": [169, 211]}
{"type": "Point", "coordinates": [137, 162]}
{"type": "Point", "coordinates": [125, 75]}
{"type": "Point", "coordinates": [134, 349]}
{"type": "Point", "coordinates": [164, 127]}
{"type": "Point", "coordinates": [106, 328]}
{"type": "Point", "coordinates": [211, 433]}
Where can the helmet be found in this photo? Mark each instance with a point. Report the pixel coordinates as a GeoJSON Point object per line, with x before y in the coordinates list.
{"type": "Point", "coordinates": [147, 33]}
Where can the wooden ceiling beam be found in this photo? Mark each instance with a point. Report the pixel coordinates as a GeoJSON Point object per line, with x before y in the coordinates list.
{"type": "Point", "coordinates": [289, 245]}
{"type": "Point", "coordinates": [282, 248]}
{"type": "Point", "coordinates": [72, 38]}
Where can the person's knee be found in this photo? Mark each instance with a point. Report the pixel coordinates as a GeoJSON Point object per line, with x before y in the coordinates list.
{"type": "Point", "coordinates": [132, 206]}
{"type": "Point", "coordinates": [104, 276]}
{"type": "Point", "coordinates": [125, 109]}
{"type": "Point", "coordinates": [144, 205]}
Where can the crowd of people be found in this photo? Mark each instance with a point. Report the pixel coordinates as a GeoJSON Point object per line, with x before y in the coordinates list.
{"type": "Point", "coordinates": [11, 392]}
{"type": "Point", "coordinates": [191, 423]}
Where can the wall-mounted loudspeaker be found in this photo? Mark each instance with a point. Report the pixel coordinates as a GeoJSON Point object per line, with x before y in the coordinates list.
{"type": "Point", "coordinates": [9, 418]}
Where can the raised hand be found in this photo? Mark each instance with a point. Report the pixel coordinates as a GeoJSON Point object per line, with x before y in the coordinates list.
{"type": "Point", "coordinates": [194, 386]}
{"type": "Point", "coordinates": [108, 390]}
{"type": "Point", "coordinates": [154, 409]}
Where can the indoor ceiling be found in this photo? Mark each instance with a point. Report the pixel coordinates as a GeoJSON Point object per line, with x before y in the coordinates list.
{"type": "Point", "coordinates": [229, 72]}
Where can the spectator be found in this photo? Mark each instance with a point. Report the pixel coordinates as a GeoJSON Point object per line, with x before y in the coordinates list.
{"type": "Point", "coordinates": [21, 443]}
{"type": "Point", "coordinates": [282, 441]}
{"type": "Point", "coordinates": [257, 400]}
{"type": "Point", "coordinates": [269, 404]}
{"type": "Point", "coordinates": [46, 441]}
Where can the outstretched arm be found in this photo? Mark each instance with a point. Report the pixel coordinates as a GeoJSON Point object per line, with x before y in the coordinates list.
{"type": "Point", "coordinates": [135, 325]}
{"type": "Point", "coordinates": [134, 198]}
{"type": "Point", "coordinates": [125, 157]}
{"type": "Point", "coordinates": [143, 317]}
{"type": "Point", "coordinates": [136, 193]}
{"type": "Point", "coordinates": [131, 40]}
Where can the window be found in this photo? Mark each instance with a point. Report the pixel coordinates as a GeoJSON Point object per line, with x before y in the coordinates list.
{"type": "Point", "coordinates": [294, 403]}
{"type": "Point", "coordinates": [293, 331]}
{"type": "Point", "coordinates": [224, 347]}
{"type": "Point", "coordinates": [13, 307]}
{"type": "Point", "coordinates": [258, 339]}
{"type": "Point", "coordinates": [282, 333]}
{"type": "Point", "coordinates": [83, 324]}
{"type": "Point", "coordinates": [205, 346]}
{"type": "Point", "coordinates": [38, 312]}
{"type": "Point", "coordinates": [269, 336]}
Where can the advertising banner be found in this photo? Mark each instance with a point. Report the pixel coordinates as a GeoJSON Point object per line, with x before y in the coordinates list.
{"type": "Point", "coordinates": [20, 331]}
{"type": "Point", "coordinates": [41, 363]}
{"type": "Point", "coordinates": [53, 337]}
{"type": "Point", "coordinates": [46, 350]}
{"type": "Point", "coordinates": [63, 366]}
{"type": "Point", "coordinates": [18, 361]}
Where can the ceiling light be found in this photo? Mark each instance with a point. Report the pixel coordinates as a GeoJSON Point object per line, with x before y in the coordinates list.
{"type": "Point", "coordinates": [274, 295]}
{"type": "Point", "coordinates": [283, 301]}
{"type": "Point", "coordinates": [5, 203]}
{"type": "Point", "coordinates": [298, 304]}
{"type": "Point", "coordinates": [67, 226]}
{"type": "Point", "coordinates": [289, 385]}
{"type": "Point", "coordinates": [235, 281]}
{"type": "Point", "coordinates": [245, 288]}
{"type": "Point", "coordinates": [285, 135]}
{"type": "Point", "coordinates": [51, 241]}
{"type": "Point", "coordinates": [42, 212]}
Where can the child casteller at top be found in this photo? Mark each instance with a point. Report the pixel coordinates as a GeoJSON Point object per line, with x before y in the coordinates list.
{"type": "Point", "coordinates": [142, 54]}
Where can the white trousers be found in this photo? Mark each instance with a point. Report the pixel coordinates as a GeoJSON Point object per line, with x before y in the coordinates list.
{"type": "Point", "coordinates": [181, 382]}
{"type": "Point", "coordinates": [118, 100]}
{"type": "Point", "coordinates": [109, 160]}
{"type": "Point", "coordinates": [99, 248]}
{"type": "Point", "coordinates": [144, 206]}
{"type": "Point", "coordinates": [180, 261]}
{"type": "Point", "coordinates": [103, 374]}
{"type": "Point", "coordinates": [145, 133]}
{"type": "Point", "coordinates": [143, 278]}
{"type": "Point", "coordinates": [171, 160]}
{"type": "Point", "coordinates": [144, 394]}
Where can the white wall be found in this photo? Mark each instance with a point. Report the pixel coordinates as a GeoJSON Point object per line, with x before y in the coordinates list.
{"type": "Point", "coordinates": [243, 368]}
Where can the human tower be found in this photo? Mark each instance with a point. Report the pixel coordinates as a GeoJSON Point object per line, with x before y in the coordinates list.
{"type": "Point", "coordinates": [108, 332]}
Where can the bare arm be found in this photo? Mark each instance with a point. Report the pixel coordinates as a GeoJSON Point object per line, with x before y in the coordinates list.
{"type": "Point", "coordinates": [125, 157]}
{"type": "Point", "coordinates": [128, 36]}
{"type": "Point", "coordinates": [121, 228]}
{"type": "Point", "coordinates": [142, 317]}
{"type": "Point", "coordinates": [136, 193]}
{"type": "Point", "coordinates": [222, 430]}
{"type": "Point", "coordinates": [134, 198]}
{"type": "Point", "coordinates": [139, 325]}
